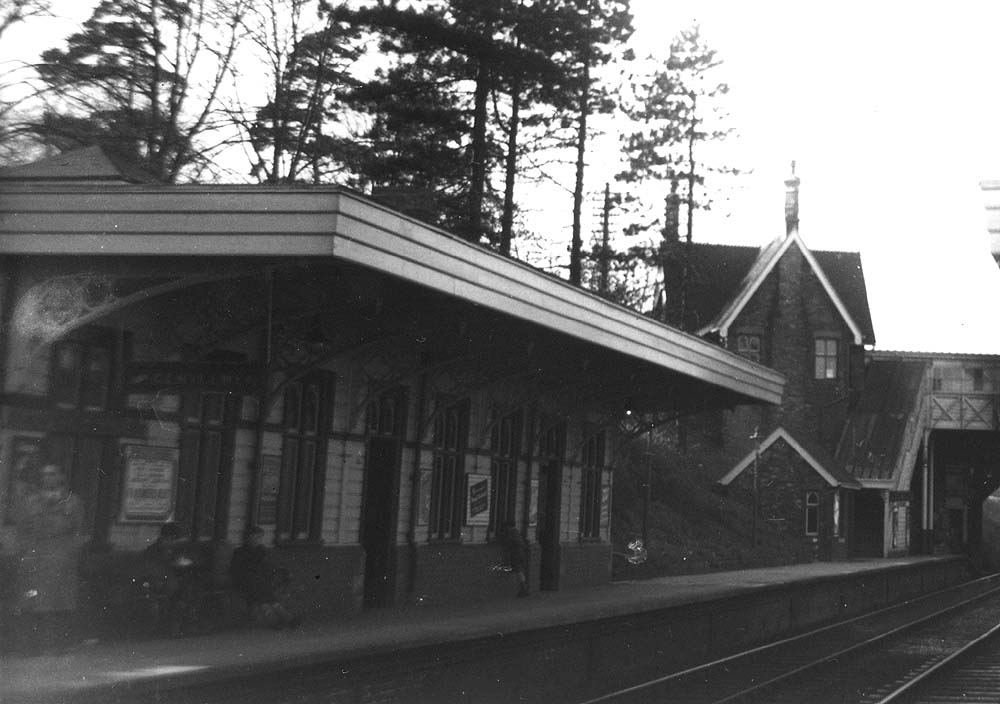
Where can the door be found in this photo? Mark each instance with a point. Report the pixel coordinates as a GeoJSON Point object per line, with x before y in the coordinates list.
{"type": "Point", "coordinates": [552, 448]}
{"type": "Point", "coordinates": [381, 497]}
{"type": "Point", "coordinates": [206, 466]}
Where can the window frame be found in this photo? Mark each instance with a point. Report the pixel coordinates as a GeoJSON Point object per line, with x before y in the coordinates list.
{"type": "Point", "coordinates": [303, 457]}
{"type": "Point", "coordinates": [826, 365]}
{"type": "Point", "coordinates": [745, 346]}
{"type": "Point", "coordinates": [591, 485]}
{"type": "Point", "coordinates": [812, 503]}
{"type": "Point", "coordinates": [505, 448]}
{"type": "Point", "coordinates": [450, 442]}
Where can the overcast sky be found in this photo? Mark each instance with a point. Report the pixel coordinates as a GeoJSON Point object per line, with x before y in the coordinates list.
{"type": "Point", "coordinates": [890, 110]}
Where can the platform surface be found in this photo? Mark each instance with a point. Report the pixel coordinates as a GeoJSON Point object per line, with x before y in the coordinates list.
{"type": "Point", "coordinates": [56, 677]}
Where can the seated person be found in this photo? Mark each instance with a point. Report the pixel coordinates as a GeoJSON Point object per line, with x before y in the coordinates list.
{"type": "Point", "coordinates": [257, 580]}
{"type": "Point", "coordinates": [173, 572]}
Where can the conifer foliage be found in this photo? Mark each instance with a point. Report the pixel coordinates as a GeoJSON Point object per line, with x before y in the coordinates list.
{"type": "Point", "coordinates": [142, 77]}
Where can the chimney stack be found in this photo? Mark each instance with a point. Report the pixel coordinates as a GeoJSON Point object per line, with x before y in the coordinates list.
{"type": "Point", "coordinates": [672, 219]}
{"type": "Point", "coordinates": [792, 203]}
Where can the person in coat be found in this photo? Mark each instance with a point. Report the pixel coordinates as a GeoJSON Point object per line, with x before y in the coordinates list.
{"type": "Point", "coordinates": [258, 580]}
{"type": "Point", "coordinates": [516, 556]}
{"type": "Point", "coordinates": [49, 527]}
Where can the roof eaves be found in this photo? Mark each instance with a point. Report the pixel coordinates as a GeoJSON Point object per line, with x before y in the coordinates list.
{"type": "Point", "coordinates": [813, 462]}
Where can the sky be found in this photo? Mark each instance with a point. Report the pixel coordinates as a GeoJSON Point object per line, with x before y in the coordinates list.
{"type": "Point", "coordinates": [889, 110]}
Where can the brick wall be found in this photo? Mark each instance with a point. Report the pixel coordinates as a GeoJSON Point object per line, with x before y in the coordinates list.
{"type": "Point", "coordinates": [783, 478]}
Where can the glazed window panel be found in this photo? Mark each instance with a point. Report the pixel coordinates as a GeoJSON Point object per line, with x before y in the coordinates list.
{"type": "Point", "coordinates": [451, 430]}
{"type": "Point", "coordinates": [748, 346]}
{"type": "Point", "coordinates": [812, 513]}
{"type": "Point", "coordinates": [80, 375]}
{"type": "Point", "coordinates": [825, 358]}
{"type": "Point", "coordinates": [505, 445]}
{"type": "Point", "coordinates": [308, 405]}
{"type": "Point", "coordinates": [590, 496]}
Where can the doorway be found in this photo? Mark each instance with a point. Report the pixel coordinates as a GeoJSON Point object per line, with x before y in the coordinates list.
{"type": "Point", "coordinates": [552, 449]}
{"type": "Point", "coordinates": [386, 423]}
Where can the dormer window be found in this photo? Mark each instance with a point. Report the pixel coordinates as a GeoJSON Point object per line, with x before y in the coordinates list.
{"type": "Point", "coordinates": [826, 358]}
{"type": "Point", "coordinates": [748, 346]}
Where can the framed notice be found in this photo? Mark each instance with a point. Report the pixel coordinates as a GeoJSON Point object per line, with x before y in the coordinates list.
{"type": "Point", "coordinates": [270, 480]}
{"type": "Point", "coordinates": [424, 512]}
{"type": "Point", "coordinates": [150, 483]}
{"type": "Point", "coordinates": [477, 500]}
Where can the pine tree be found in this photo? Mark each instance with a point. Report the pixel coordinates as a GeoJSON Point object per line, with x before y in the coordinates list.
{"type": "Point", "coordinates": [457, 59]}
{"type": "Point", "coordinates": [142, 78]}
{"type": "Point", "coordinates": [602, 27]}
{"type": "Point", "coordinates": [677, 110]}
{"type": "Point", "coordinates": [297, 133]}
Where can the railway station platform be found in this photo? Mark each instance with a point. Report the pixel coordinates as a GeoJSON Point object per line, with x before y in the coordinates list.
{"type": "Point", "coordinates": [552, 646]}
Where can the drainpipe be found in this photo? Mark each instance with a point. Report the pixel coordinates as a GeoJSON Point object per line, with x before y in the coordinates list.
{"type": "Point", "coordinates": [886, 524]}
{"type": "Point", "coordinates": [415, 498]}
{"type": "Point", "coordinates": [925, 518]}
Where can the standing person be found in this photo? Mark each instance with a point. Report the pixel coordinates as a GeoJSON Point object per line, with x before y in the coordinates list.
{"type": "Point", "coordinates": [49, 526]}
{"type": "Point", "coordinates": [258, 581]}
{"type": "Point", "coordinates": [516, 555]}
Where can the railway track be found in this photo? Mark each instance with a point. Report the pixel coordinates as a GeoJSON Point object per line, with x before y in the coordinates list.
{"type": "Point", "coordinates": [920, 648]}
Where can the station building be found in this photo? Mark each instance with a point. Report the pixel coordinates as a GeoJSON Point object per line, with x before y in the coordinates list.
{"type": "Point", "coordinates": [805, 314]}
{"type": "Point", "coordinates": [380, 396]}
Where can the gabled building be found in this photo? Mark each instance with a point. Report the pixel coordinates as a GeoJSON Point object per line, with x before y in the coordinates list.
{"type": "Point", "coordinates": [380, 396]}
{"type": "Point", "coordinates": [804, 314]}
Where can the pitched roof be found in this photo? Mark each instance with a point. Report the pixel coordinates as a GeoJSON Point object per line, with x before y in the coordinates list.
{"type": "Point", "coordinates": [722, 279]}
{"type": "Point", "coordinates": [826, 466]}
{"type": "Point", "coordinates": [875, 437]}
{"type": "Point", "coordinates": [92, 164]}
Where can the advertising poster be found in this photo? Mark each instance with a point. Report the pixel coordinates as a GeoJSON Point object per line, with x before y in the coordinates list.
{"type": "Point", "coordinates": [150, 483]}
{"type": "Point", "coordinates": [270, 478]}
{"type": "Point", "coordinates": [424, 515]}
{"type": "Point", "coordinates": [478, 501]}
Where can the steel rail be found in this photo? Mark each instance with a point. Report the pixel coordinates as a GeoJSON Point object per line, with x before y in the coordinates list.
{"type": "Point", "coordinates": [924, 677]}
{"type": "Point", "coordinates": [809, 637]}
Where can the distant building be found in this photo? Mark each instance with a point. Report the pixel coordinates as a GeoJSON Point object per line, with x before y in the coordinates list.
{"type": "Point", "coordinates": [804, 314]}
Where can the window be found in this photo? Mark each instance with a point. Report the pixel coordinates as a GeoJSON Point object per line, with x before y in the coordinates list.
{"type": "Point", "coordinates": [977, 379]}
{"type": "Point", "coordinates": [451, 431]}
{"type": "Point", "coordinates": [505, 446]}
{"type": "Point", "coordinates": [81, 375]}
{"type": "Point", "coordinates": [812, 513]}
{"type": "Point", "coordinates": [826, 358]}
{"type": "Point", "coordinates": [836, 514]}
{"type": "Point", "coordinates": [748, 346]}
{"type": "Point", "coordinates": [590, 495]}
{"type": "Point", "coordinates": [305, 419]}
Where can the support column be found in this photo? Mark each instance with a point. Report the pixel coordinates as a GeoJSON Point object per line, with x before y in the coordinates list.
{"type": "Point", "coordinates": [886, 523]}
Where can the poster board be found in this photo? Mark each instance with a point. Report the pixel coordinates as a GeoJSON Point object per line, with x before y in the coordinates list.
{"type": "Point", "coordinates": [149, 484]}
{"type": "Point", "coordinates": [270, 481]}
{"type": "Point", "coordinates": [424, 512]}
{"type": "Point", "coordinates": [477, 500]}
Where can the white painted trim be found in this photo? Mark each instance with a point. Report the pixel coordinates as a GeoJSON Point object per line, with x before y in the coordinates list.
{"type": "Point", "coordinates": [770, 440]}
{"type": "Point", "coordinates": [744, 296]}
{"type": "Point", "coordinates": [328, 221]}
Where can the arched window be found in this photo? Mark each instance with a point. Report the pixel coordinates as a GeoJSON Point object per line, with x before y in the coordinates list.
{"type": "Point", "coordinates": [812, 513]}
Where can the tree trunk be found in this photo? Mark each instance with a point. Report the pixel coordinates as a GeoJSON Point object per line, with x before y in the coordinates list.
{"type": "Point", "coordinates": [576, 246]}
{"type": "Point", "coordinates": [507, 221]}
{"type": "Point", "coordinates": [477, 187]}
